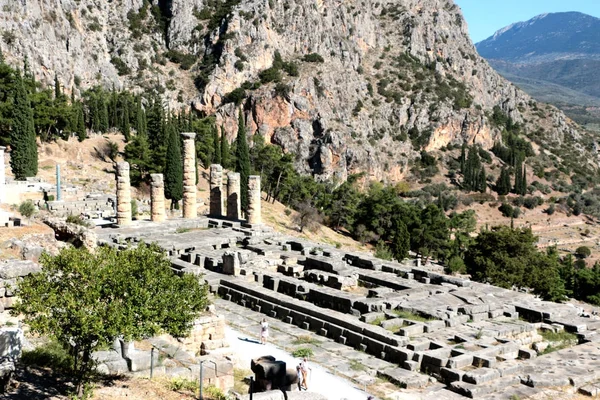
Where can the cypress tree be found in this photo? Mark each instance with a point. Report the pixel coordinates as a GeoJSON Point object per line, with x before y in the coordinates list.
{"type": "Point", "coordinates": [217, 146]}
{"type": "Point", "coordinates": [126, 127]}
{"type": "Point", "coordinates": [80, 124]}
{"type": "Point", "coordinates": [173, 168]}
{"type": "Point", "coordinates": [242, 160]}
{"type": "Point", "coordinates": [518, 178]}
{"type": "Point", "coordinates": [24, 157]}
{"type": "Point", "coordinates": [140, 125]}
{"type": "Point", "coordinates": [57, 89]}
{"type": "Point", "coordinates": [224, 149]}
{"type": "Point", "coordinates": [524, 181]}
{"type": "Point", "coordinates": [463, 158]}
{"type": "Point", "coordinates": [503, 182]}
{"type": "Point", "coordinates": [482, 180]}
{"type": "Point", "coordinates": [103, 114]}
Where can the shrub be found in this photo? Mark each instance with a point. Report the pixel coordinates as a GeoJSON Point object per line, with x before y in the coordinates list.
{"type": "Point", "coordinates": [383, 252]}
{"type": "Point", "coordinates": [77, 220]}
{"type": "Point", "coordinates": [134, 209]}
{"type": "Point", "coordinates": [583, 252]}
{"type": "Point", "coordinates": [456, 265]}
{"type": "Point", "coordinates": [506, 210]}
{"type": "Point", "coordinates": [313, 57]}
{"type": "Point", "coordinates": [120, 65]}
{"type": "Point", "coordinates": [302, 352]}
{"type": "Point", "coordinates": [27, 209]}
{"type": "Point", "coordinates": [270, 75]}
{"type": "Point", "coordinates": [551, 209]}
{"type": "Point", "coordinates": [50, 354]}
{"type": "Point", "coordinates": [282, 90]}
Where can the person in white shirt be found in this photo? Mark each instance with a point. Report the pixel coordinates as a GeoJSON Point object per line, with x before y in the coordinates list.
{"type": "Point", "coordinates": [305, 368]}
{"type": "Point", "coordinates": [264, 331]}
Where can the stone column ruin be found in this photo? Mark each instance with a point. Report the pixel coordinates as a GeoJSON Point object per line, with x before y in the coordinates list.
{"type": "Point", "coordinates": [2, 177]}
{"type": "Point", "coordinates": [58, 189]}
{"type": "Point", "coordinates": [123, 194]}
{"type": "Point", "coordinates": [216, 190]}
{"type": "Point", "coordinates": [190, 208]}
{"type": "Point", "coordinates": [234, 208]}
{"type": "Point", "coordinates": [157, 198]}
{"type": "Point", "coordinates": [254, 196]}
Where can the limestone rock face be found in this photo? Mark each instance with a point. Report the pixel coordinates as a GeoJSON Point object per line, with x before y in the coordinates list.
{"type": "Point", "coordinates": [396, 77]}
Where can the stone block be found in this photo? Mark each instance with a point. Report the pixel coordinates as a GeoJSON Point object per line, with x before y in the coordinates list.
{"type": "Point", "coordinates": [527, 354]}
{"type": "Point", "coordinates": [450, 375]}
{"type": "Point", "coordinates": [481, 375]}
{"type": "Point", "coordinates": [412, 330]}
{"type": "Point", "coordinates": [433, 326]}
{"type": "Point", "coordinates": [370, 317]}
{"type": "Point", "coordinates": [461, 361]}
{"type": "Point", "coordinates": [411, 365]}
{"type": "Point", "coordinates": [483, 361]}
{"type": "Point", "coordinates": [546, 379]}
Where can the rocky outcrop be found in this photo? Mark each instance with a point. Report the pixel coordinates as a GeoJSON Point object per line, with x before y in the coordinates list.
{"type": "Point", "coordinates": [78, 235]}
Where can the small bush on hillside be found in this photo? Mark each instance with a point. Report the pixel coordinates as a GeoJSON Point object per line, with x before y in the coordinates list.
{"type": "Point", "coordinates": [313, 57]}
{"type": "Point", "coordinates": [506, 210]}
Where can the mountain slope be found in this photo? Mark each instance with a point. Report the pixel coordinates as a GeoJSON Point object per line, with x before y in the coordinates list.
{"type": "Point", "coordinates": [347, 87]}
{"type": "Point", "coordinates": [553, 57]}
{"type": "Point", "coordinates": [546, 37]}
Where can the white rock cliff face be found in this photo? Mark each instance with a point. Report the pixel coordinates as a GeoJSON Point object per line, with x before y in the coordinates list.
{"type": "Point", "coordinates": [332, 116]}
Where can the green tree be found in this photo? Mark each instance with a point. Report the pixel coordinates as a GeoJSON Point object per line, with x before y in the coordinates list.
{"type": "Point", "coordinates": [79, 127]}
{"type": "Point", "coordinates": [173, 168]}
{"type": "Point", "coordinates": [508, 257]}
{"type": "Point", "coordinates": [27, 209]}
{"type": "Point", "coordinates": [503, 182]}
{"type": "Point", "coordinates": [242, 160]}
{"type": "Point", "coordinates": [217, 147]}
{"type": "Point", "coordinates": [225, 156]}
{"type": "Point", "coordinates": [24, 157]}
{"type": "Point", "coordinates": [400, 241]}
{"type": "Point", "coordinates": [140, 297]}
{"type": "Point", "coordinates": [583, 252]}
{"type": "Point", "coordinates": [138, 154]}
{"type": "Point", "coordinates": [430, 238]}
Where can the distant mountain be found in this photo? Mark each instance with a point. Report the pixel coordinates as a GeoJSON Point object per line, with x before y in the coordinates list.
{"type": "Point", "coordinates": [554, 57]}
{"type": "Point", "coordinates": [547, 37]}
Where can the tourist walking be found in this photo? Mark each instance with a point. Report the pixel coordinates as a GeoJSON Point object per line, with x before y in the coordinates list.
{"type": "Point", "coordinates": [300, 377]}
{"type": "Point", "coordinates": [264, 331]}
{"type": "Point", "coordinates": [305, 368]}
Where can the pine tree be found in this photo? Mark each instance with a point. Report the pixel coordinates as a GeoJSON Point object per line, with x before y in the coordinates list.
{"type": "Point", "coordinates": [24, 157]}
{"type": "Point", "coordinates": [242, 160]}
{"type": "Point", "coordinates": [173, 168]}
{"type": "Point", "coordinates": [503, 182]}
{"type": "Point", "coordinates": [472, 168]}
{"type": "Point", "coordinates": [224, 149]}
{"type": "Point", "coordinates": [518, 178]}
{"type": "Point", "coordinates": [217, 146]}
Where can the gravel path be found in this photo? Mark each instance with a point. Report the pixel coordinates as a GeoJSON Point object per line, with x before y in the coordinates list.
{"type": "Point", "coordinates": [320, 380]}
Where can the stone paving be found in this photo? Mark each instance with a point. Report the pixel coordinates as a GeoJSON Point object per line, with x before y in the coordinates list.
{"type": "Point", "coordinates": [407, 324]}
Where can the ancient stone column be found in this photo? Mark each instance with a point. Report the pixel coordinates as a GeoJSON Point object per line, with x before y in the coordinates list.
{"type": "Point", "coordinates": [190, 209]}
{"type": "Point", "coordinates": [58, 190]}
{"type": "Point", "coordinates": [123, 194]}
{"type": "Point", "coordinates": [216, 190]}
{"type": "Point", "coordinates": [254, 211]}
{"type": "Point", "coordinates": [234, 209]}
{"type": "Point", "coordinates": [157, 198]}
{"type": "Point", "coordinates": [2, 177]}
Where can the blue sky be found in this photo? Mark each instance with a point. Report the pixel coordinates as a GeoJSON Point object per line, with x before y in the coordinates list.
{"type": "Point", "coordinates": [485, 17]}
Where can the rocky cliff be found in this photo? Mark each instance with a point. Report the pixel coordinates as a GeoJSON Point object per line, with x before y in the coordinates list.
{"type": "Point", "coordinates": [347, 86]}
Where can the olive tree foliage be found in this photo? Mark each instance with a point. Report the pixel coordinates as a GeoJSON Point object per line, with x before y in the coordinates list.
{"type": "Point", "coordinates": [85, 301]}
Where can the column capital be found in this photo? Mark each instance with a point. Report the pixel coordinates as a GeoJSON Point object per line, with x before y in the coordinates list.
{"type": "Point", "coordinates": [188, 135]}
